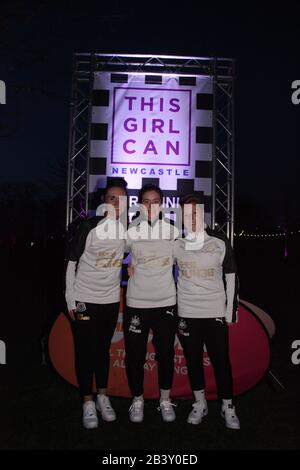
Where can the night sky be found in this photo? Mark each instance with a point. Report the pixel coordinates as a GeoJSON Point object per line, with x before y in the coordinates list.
{"type": "Point", "coordinates": [36, 45]}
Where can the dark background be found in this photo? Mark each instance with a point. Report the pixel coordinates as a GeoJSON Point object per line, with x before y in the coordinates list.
{"type": "Point", "coordinates": [37, 40]}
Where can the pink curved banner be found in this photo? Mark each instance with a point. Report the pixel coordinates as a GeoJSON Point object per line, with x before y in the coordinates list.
{"type": "Point", "coordinates": [249, 353]}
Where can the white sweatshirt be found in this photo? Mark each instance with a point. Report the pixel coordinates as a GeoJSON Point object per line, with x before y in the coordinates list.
{"type": "Point", "coordinates": [98, 262]}
{"type": "Point", "coordinates": [207, 282]}
{"type": "Point", "coordinates": [152, 283]}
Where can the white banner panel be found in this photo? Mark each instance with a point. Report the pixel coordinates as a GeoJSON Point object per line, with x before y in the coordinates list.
{"type": "Point", "coordinates": [152, 128]}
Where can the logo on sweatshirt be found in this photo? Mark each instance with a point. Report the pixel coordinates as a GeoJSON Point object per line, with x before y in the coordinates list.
{"type": "Point", "coordinates": [182, 326]}
{"type": "Point", "coordinates": [134, 324]}
{"type": "Point", "coordinates": [170, 312]}
{"type": "Point", "coordinates": [80, 307]}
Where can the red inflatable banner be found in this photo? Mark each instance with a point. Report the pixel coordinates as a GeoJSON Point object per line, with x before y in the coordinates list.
{"type": "Point", "coordinates": [249, 353]}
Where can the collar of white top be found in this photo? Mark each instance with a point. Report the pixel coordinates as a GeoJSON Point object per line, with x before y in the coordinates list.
{"type": "Point", "coordinates": [194, 240]}
{"type": "Point", "coordinates": [194, 235]}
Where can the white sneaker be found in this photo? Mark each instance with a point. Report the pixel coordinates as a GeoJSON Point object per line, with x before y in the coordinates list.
{"type": "Point", "coordinates": [198, 412]}
{"type": "Point", "coordinates": [136, 411]}
{"type": "Point", "coordinates": [231, 419]}
{"type": "Point", "coordinates": [167, 411]}
{"type": "Point", "coordinates": [104, 407]}
{"type": "Point", "coordinates": [89, 419]}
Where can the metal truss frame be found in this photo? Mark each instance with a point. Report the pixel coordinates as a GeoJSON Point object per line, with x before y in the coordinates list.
{"type": "Point", "coordinates": [223, 72]}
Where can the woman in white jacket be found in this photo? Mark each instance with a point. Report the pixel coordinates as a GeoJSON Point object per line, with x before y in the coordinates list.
{"type": "Point", "coordinates": [150, 302]}
{"type": "Point", "coordinates": [207, 302]}
{"type": "Point", "coordinates": [93, 297]}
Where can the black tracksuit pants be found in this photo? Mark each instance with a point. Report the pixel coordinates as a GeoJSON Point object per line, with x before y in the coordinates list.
{"type": "Point", "coordinates": [93, 330]}
{"type": "Point", "coordinates": [137, 324]}
{"type": "Point", "coordinates": [193, 333]}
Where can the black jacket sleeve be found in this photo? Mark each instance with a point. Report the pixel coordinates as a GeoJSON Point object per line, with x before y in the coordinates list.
{"type": "Point", "coordinates": [230, 277]}
{"type": "Point", "coordinates": [77, 244]}
{"type": "Point", "coordinates": [229, 263]}
{"type": "Point", "coordinates": [231, 283]}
